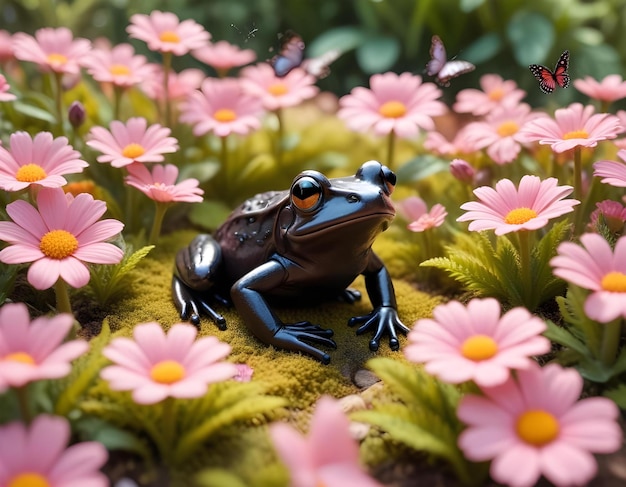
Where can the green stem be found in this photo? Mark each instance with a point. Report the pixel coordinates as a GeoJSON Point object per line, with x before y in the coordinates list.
{"type": "Point", "coordinates": [280, 134]}
{"type": "Point", "coordinates": [161, 208]}
{"type": "Point", "coordinates": [118, 91]}
{"type": "Point", "coordinates": [611, 333]}
{"type": "Point", "coordinates": [391, 145]}
{"type": "Point", "coordinates": [63, 297]}
{"type": "Point", "coordinates": [224, 161]}
{"type": "Point", "coordinates": [58, 95]}
{"type": "Point", "coordinates": [22, 399]}
{"type": "Point", "coordinates": [168, 421]}
{"type": "Point", "coordinates": [578, 189]}
{"type": "Point", "coordinates": [525, 268]}
{"type": "Point", "coordinates": [167, 65]}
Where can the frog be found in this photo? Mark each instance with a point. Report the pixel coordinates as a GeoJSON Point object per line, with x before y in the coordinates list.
{"type": "Point", "coordinates": [300, 246]}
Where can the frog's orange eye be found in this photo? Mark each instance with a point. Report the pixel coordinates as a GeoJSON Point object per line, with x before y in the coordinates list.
{"type": "Point", "coordinates": [306, 193]}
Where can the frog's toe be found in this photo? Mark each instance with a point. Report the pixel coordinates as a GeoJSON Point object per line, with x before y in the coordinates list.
{"type": "Point", "coordinates": [294, 338]}
{"type": "Point", "coordinates": [350, 295]}
{"type": "Point", "coordinates": [217, 318]}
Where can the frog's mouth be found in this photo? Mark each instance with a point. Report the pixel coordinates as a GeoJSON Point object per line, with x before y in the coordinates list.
{"type": "Point", "coordinates": [383, 217]}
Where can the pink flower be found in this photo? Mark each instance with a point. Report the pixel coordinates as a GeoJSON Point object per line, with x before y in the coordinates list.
{"type": "Point", "coordinates": [327, 456]}
{"type": "Point", "coordinates": [596, 267]}
{"type": "Point", "coordinates": [611, 88]}
{"type": "Point", "coordinates": [574, 126]}
{"type": "Point", "coordinates": [4, 90]}
{"type": "Point", "coordinates": [35, 351]}
{"type": "Point", "coordinates": [36, 455]}
{"type": "Point", "coordinates": [224, 56]}
{"type": "Point", "coordinates": [131, 142]}
{"type": "Point", "coordinates": [535, 425]}
{"type": "Point", "coordinates": [59, 237]}
{"type": "Point", "coordinates": [462, 171]}
{"type": "Point", "coordinates": [164, 32]}
{"type": "Point", "coordinates": [179, 85]}
{"type": "Point", "coordinates": [161, 186]}
{"type": "Point", "coordinates": [157, 365]}
{"type": "Point", "coordinates": [41, 161]}
{"type": "Point", "coordinates": [399, 103]}
{"type": "Point", "coordinates": [612, 172]}
{"type": "Point", "coordinates": [509, 209]}
{"type": "Point", "coordinates": [222, 107]}
{"type": "Point", "coordinates": [612, 212]}
{"type": "Point", "coordinates": [52, 50]}
{"type": "Point", "coordinates": [244, 373]}
{"type": "Point", "coordinates": [474, 342]}
{"type": "Point", "coordinates": [438, 144]}
{"type": "Point", "coordinates": [500, 132]}
{"type": "Point", "coordinates": [6, 46]}
{"type": "Point", "coordinates": [275, 92]}
{"type": "Point", "coordinates": [414, 210]}
{"type": "Point", "coordinates": [119, 66]}
{"type": "Point", "coordinates": [495, 93]}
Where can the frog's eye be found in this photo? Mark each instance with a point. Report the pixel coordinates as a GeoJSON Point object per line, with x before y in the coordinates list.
{"type": "Point", "coordinates": [306, 193]}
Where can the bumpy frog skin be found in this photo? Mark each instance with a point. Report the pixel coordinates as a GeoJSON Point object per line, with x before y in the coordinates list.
{"type": "Point", "coordinates": [298, 246]}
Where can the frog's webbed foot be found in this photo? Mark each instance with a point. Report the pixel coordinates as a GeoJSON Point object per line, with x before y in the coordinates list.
{"type": "Point", "coordinates": [294, 336]}
{"type": "Point", "coordinates": [191, 304]}
{"type": "Point", "coordinates": [349, 295]}
{"type": "Point", "coordinates": [383, 319]}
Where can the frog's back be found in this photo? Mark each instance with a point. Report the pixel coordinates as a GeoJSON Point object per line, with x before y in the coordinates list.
{"type": "Point", "coordinates": [247, 236]}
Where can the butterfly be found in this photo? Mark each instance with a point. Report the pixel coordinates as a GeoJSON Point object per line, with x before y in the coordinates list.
{"type": "Point", "coordinates": [548, 80]}
{"type": "Point", "coordinates": [291, 56]}
{"type": "Point", "coordinates": [442, 69]}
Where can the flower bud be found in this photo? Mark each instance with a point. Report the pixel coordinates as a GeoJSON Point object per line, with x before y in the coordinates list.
{"type": "Point", "coordinates": [462, 171]}
{"type": "Point", "coordinates": [76, 114]}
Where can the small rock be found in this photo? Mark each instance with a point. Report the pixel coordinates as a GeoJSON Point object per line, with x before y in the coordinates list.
{"type": "Point", "coordinates": [352, 402]}
{"type": "Point", "coordinates": [365, 378]}
{"type": "Point", "coordinates": [358, 430]}
{"type": "Point", "coordinates": [126, 482]}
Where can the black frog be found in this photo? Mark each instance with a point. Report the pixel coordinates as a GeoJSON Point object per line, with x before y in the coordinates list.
{"type": "Point", "coordinates": [298, 246]}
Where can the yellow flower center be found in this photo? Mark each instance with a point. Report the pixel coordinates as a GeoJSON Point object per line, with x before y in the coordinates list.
{"type": "Point", "coordinates": [576, 134]}
{"type": "Point", "coordinates": [56, 58]}
{"type": "Point", "coordinates": [496, 95]}
{"type": "Point", "coordinates": [392, 109]}
{"type": "Point", "coordinates": [58, 244]}
{"type": "Point", "coordinates": [278, 89]}
{"type": "Point", "coordinates": [132, 151]}
{"type": "Point", "coordinates": [519, 216]}
{"type": "Point", "coordinates": [167, 372]}
{"type": "Point", "coordinates": [508, 128]}
{"type": "Point", "coordinates": [537, 427]}
{"type": "Point", "coordinates": [479, 347]}
{"type": "Point", "coordinates": [21, 357]}
{"type": "Point", "coordinates": [119, 70]}
{"type": "Point", "coordinates": [614, 282]}
{"type": "Point", "coordinates": [30, 173]}
{"type": "Point", "coordinates": [169, 36]}
{"type": "Point", "coordinates": [78, 187]}
{"type": "Point", "coordinates": [225, 115]}
{"type": "Point", "coordinates": [29, 479]}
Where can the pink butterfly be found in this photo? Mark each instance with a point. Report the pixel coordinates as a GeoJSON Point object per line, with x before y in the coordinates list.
{"type": "Point", "coordinates": [291, 56]}
{"type": "Point", "coordinates": [548, 80]}
{"type": "Point", "coordinates": [442, 69]}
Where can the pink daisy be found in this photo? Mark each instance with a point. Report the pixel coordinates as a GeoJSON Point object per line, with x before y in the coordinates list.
{"type": "Point", "coordinates": [179, 85]}
{"type": "Point", "coordinates": [31, 351]}
{"type": "Point", "coordinates": [534, 425]}
{"type": "Point", "coordinates": [596, 267]}
{"type": "Point", "coordinates": [4, 90]}
{"type": "Point", "coordinates": [131, 142]}
{"type": "Point", "coordinates": [59, 237]}
{"type": "Point", "coordinates": [119, 66]}
{"type": "Point", "coordinates": [398, 103]}
{"type": "Point", "coordinates": [327, 456]}
{"type": "Point", "coordinates": [612, 172]}
{"type": "Point", "coordinates": [164, 32]}
{"type": "Point", "coordinates": [160, 184]}
{"type": "Point", "coordinates": [574, 126]}
{"type": "Point", "coordinates": [611, 88]}
{"type": "Point", "coordinates": [613, 214]}
{"type": "Point", "coordinates": [438, 144]}
{"type": "Point", "coordinates": [223, 56]}
{"type": "Point", "coordinates": [495, 93]}
{"type": "Point", "coordinates": [36, 456]}
{"type": "Point", "coordinates": [52, 49]}
{"type": "Point", "coordinates": [620, 143]}
{"type": "Point", "coordinates": [6, 46]}
{"type": "Point", "coordinates": [500, 132]}
{"type": "Point", "coordinates": [274, 92]}
{"type": "Point", "coordinates": [474, 342]}
{"type": "Point", "coordinates": [414, 210]}
{"type": "Point", "coordinates": [42, 160]}
{"type": "Point", "coordinates": [156, 365]}
{"type": "Point", "coordinates": [509, 209]}
{"type": "Point", "coordinates": [222, 107]}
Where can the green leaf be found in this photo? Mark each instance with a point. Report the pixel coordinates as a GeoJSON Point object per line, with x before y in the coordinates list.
{"type": "Point", "coordinates": [483, 49]}
{"type": "Point", "coordinates": [562, 336]}
{"type": "Point", "coordinates": [378, 54]}
{"type": "Point", "coordinates": [618, 395]}
{"type": "Point", "coordinates": [209, 214]}
{"type": "Point", "coordinates": [421, 167]}
{"type": "Point", "coordinates": [342, 38]}
{"type": "Point", "coordinates": [470, 5]}
{"type": "Point", "coordinates": [216, 477]}
{"type": "Point", "coordinates": [601, 60]}
{"type": "Point", "coordinates": [111, 436]}
{"type": "Point", "coordinates": [34, 112]}
{"type": "Point", "coordinates": [203, 171]}
{"type": "Point", "coordinates": [532, 36]}
{"type": "Point", "coordinates": [8, 273]}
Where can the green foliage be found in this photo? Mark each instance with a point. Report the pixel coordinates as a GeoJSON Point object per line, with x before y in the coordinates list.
{"type": "Point", "coordinates": [272, 475]}
{"type": "Point", "coordinates": [618, 395]}
{"type": "Point", "coordinates": [109, 282]}
{"type": "Point", "coordinates": [8, 273]}
{"type": "Point", "coordinates": [497, 270]}
{"type": "Point", "coordinates": [424, 418]}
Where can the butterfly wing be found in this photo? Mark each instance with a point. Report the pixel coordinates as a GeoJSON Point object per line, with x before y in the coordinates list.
{"type": "Point", "coordinates": [290, 56]}
{"type": "Point", "coordinates": [319, 66]}
{"type": "Point", "coordinates": [438, 56]}
{"type": "Point", "coordinates": [452, 69]}
{"type": "Point", "coordinates": [546, 78]}
{"type": "Point", "coordinates": [560, 70]}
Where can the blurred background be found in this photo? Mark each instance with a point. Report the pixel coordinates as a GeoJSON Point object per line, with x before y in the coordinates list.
{"type": "Point", "coordinates": [499, 36]}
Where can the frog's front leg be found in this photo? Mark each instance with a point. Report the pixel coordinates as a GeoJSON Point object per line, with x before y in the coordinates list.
{"type": "Point", "coordinates": [384, 317]}
{"type": "Point", "coordinates": [247, 295]}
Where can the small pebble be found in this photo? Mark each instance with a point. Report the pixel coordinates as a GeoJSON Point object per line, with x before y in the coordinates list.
{"type": "Point", "coordinates": [352, 402]}
{"type": "Point", "coordinates": [365, 378]}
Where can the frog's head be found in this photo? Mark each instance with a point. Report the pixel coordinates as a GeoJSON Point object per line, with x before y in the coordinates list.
{"type": "Point", "coordinates": [353, 209]}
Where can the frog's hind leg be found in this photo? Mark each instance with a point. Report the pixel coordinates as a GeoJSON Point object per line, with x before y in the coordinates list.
{"type": "Point", "coordinates": [349, 295]}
